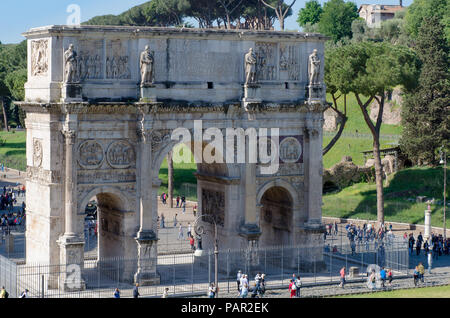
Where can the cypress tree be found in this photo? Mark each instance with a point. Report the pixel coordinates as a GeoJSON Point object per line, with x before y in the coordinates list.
{"type": "Point", "coordinates": [426, 110]}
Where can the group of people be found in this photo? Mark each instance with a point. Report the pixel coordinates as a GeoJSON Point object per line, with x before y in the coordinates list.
{"type": "Point", "coordinates": [366, 233]}
{"type": "Point", "coordinates": [419, 273]}
{"type": "Point", "coordinates": [256, 289]}
{"type": "Point", "coordinates": [294, 286]}
{"type": "Point", "coordinates": [4, 293]}
{"type": "Point", "coordinates": [383, 276]}
{"type": "Point", "coordinates": [9, 197]}
{"type": "Point", "coordinates": [437, 246]}
{"type": "Point", "coordinates": [181, 201]}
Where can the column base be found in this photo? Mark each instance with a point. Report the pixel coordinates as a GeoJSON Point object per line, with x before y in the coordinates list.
{"type": "Point", "coordinates": [147, 279]}
{"type": "Point", "coordinates": [71, 286]}
{"type": "Point", "coordinates": [146, 274]}
{"type": "Point", "coordinates": [72, 263]}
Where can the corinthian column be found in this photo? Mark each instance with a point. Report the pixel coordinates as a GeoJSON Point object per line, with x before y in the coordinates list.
{"type": "Point", "coordinates": [313, 172]}
{"type": "Point", "coordinates": [71, 244]}
{"type": "Point", "coordinates": [70, 204]}
{"type": "Point", "coordinates": [146, 238]}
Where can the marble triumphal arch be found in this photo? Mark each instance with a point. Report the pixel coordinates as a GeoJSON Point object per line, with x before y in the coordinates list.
{"type": "Point", "coordinates": [102, 104]}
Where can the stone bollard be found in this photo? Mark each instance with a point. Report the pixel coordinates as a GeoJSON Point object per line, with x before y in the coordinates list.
{"type": "Point", "coordinates": [9, 243]}
{"type": "Point", "coordinates": [354, 272]}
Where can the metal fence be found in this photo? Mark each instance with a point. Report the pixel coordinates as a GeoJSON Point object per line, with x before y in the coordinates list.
{"type": "Point", "coordinates": [361, 135]}
{"type": "Point", "coordinates": [187, 274]}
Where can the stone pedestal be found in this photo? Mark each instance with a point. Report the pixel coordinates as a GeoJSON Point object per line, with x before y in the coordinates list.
{"type": "Point", "coordinates": [72, 262]}
{"type": "Point", "coordinates": [71, 93]}
{"type": "Point", "coordinates": [146, 274]}
{"type": "Point", "coordinates": [251, 232]}
{"type": "Point", "coordinates": [252, 94]}
{"type": "Point", "coordinates": [315, 92]}
{"type": "Point", "coordinates": [148, 93]}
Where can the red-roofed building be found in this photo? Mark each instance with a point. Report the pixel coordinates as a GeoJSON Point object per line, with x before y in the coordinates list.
{"type": "Point", "coordinates": [374, 14]}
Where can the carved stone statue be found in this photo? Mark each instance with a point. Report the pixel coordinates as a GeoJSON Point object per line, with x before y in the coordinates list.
{"type": "Point", "coordinates": [70, 62]}
{"type": "Point", "coordinates": [250, 67]}
{"type": "Point", "coordinates": [146, 64]}
{"type": "Point", "coordinates": [314, 68]}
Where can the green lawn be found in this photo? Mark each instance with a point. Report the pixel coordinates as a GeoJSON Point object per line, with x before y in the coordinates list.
{"type": "Point", "coordinates": [353, 146]}
{"type": "Point", "coordinates": [359, 201]}
{"type": "Point", "coordinates": [13, 151]}
{"type": "Point", "coordinates": [426, 292]}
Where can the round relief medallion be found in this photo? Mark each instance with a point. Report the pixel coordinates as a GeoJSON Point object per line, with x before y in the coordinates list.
{"type": "Point", "coordinates": [290, 150]}
{"type": "Point", "coordinates": [120, 155]}
{"type": "Point", "coordinates": [91, 155]}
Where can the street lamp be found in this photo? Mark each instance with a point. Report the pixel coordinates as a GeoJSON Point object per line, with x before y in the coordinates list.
{"type": "Point", "coordinates": [444, 162]}
{"type": "Point", "coordinates": [199, 229]}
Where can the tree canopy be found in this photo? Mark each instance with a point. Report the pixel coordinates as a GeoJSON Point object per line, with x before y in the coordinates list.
{"type": "Point", "coordinates": [420, 9]}
{"type": "Point", "coordinates": [243, 14]}
{"type": "Point", "coordinates": [310, 13]}
{"type": "Point", "coordinates": [426, 110]}
{"type": "Point", "coordinates": [370, 70]}
{"type": "Point", "coordinates": [336, 19]}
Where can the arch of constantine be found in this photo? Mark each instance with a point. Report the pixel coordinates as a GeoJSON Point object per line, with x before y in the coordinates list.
{"type": "Point", "coordinates": [102, 104]}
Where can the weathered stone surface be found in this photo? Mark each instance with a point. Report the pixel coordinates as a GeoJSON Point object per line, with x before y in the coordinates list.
{"type": "Point", "coordinates": [120, 135]}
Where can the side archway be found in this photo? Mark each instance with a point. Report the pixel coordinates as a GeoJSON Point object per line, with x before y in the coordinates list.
{"type": "Point", "coordinates": [277, 200]}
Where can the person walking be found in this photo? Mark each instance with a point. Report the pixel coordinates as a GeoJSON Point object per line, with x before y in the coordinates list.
{"type": "Point", "coordinates": [298, 285]}
{"type": "Point", "coordinates": [372, 280]}
{"type": "Point", "coordinates": [418, 246]}
{"type": "Point", "coordinates": [24, 294]}
{"type": "Point", "coordinates": [244, 289]}
{"type": "Point", "coordinates": [390, 276]}
{"type": "Point", "coordinates": [180, 232]}
{"type": "Point", "coordinates": [212, 291]}
{"type": "Point", "coordinates": [192, 243]}
{"type": "Point", "coordinates": [416, 275]}
{"type": "Point", "coordinates": [178, 201]}
{"type": "Point", "coordinates": [175, 221]}
{"type": "Point", "coordinates": [421, 269]}
{"type": "Point", "coordinates": [4, 293]}
{"type": "Point", "coordinates": [136, 291]}
{"type": "Point", "coordinates": [262, 288]}
{"type": "Point", "coordinates": [292, 288]}
{"type": "Point", "coordinates": [184, 208]}
{"type": "Point", "coordinates": [116, 293]}
{"type": "Point", "coordinates": [238, 280]}
{"type": "Point", "coordinates": [383, 276]}
{"type": "Point", "coordinates": [165, 293]}
{"type": "Point", "coordinates": [189, 230]}
{"type": "Point", "coordinates": [163, 221]}
{"type": "Point", "coordinates": [342, 274]}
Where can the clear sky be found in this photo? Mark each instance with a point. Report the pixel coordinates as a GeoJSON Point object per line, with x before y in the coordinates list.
{"type": "Point", "coordinates": [18, 16]}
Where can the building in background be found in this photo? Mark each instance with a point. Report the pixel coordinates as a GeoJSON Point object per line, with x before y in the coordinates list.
{"type": "Point", "coordinates": [374, 14]}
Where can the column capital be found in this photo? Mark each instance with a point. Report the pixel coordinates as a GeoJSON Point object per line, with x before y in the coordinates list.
{"type": "Point", "coordinates": [70, 136]}
{"type": "Point", "coordinates": [144, 134]}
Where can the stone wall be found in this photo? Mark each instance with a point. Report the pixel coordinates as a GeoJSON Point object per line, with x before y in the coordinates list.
{"type": "Point", "coordinates": [392, 112]}
{"type": "Point", "coordinates": [345, 173]}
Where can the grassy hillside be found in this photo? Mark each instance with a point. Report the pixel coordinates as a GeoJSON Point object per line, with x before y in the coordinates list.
{"type": "Point", "coordinates": [359, 200]}
{"type": "Point", "coordinates": [356, 136]}
{"type": "Point", "coordinates": [13, 150]}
